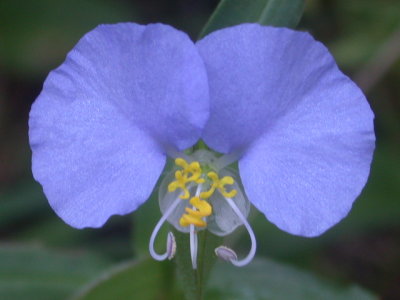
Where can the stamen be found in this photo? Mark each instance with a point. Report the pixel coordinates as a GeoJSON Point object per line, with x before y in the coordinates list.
{"type": "Point", "coordinates": [157, 228]}
{"type": "Point", "coordinates": [193, 246]}
{"type": "Point", "coordinates": [225, 253]}
{"type": "Point", "coordinates": [189, 174]}
{"type": "Point", "coordinates": [180, 182]}
{"type": "Point", "coordinates": [194, 217]}
{"type": "Point", "coordinates": [193, 168]}
{"type": "Point", "coordinates": [182, 176]}
{"type": "Point", "coordinates": [193, 237]}
{"type": "Point", "coordinates": [222, 250]}
{"type": "Point", "coordinates": [171, 245]}
{"type": "Point", "coordinates": [220, 185]}
{"type": "Point", "coordinates": [214, 177]}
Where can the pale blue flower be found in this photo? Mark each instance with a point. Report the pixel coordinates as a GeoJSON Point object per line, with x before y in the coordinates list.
{"type": "Point", "coordinates": [128, 96]}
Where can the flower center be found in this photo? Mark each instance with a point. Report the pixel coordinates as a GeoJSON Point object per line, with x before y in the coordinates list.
{"type": "Point", "coordinates": [198, 195]}
{"type": "Point", "coordinates": [193, 173]}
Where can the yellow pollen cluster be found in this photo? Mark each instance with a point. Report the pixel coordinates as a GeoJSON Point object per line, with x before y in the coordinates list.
{"type": "Point", "coordinates": [189, 173]}
{"type": "Point", "coordinates": [192, 173]}
{"type": "Point", "coordinates": [194, 217]}
{"type": "Point", "coordinates": [220, 185]}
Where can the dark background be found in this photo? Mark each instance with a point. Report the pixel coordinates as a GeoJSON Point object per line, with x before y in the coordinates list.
{"type": "Point", "coordinates": [364, 37]}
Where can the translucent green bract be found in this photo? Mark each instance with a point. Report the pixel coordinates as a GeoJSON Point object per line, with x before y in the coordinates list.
{"type": "Point", "coordinates": [223, 219]}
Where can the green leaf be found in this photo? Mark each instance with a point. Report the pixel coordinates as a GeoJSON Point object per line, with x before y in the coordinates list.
{"type": "Point", "coordinates": [34, 273]}
{"type": "Point", "coordinates": [26, 216]}
{"type": "Point", "coordinates": [265, 279]}
{"type": "Point", "coordinates": [145, 279]}
{"type": "Point", "coordinates": [283, 13]}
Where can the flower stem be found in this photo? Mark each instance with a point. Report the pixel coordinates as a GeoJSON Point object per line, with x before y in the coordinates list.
{"type": "Point", "coordinates": [193, 282]}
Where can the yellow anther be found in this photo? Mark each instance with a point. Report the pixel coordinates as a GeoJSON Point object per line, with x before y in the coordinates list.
{"type": "Point", "coordinates": [194, 217]}
{"type": "Point", "coordinates": [189, 173]}
{"type": "Point", "coordinates": [220, 185]}
{"type": "Point", "coordinates": [180, 182]}
{"type": "Point", "coordinates": [230, 194]}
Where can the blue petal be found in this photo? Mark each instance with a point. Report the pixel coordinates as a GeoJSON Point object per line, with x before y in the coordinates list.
{"type": "Point", "coordinates": [101, 126]}
{"type": "Point", "coordinates": [304, 129]}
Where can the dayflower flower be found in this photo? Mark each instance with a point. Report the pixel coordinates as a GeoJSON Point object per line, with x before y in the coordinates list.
{"type": "Point", "coordinates": [129, 96]}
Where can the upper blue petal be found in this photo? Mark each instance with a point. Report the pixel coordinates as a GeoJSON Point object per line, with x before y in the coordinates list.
{"type": "Point", "coordinates": [101, 126]}
{"type": "Point", "coordinates": [304, 129]}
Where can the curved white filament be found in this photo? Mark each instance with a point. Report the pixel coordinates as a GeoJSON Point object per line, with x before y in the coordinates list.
{"type": "Point", "coordinates": [156, 229]}
{"type": "Point", "coordinates": [193, 246]}
{"type": "Point", "coordinates": [252, 252]}
{"type": "Point", "coordinates": [193, 237]}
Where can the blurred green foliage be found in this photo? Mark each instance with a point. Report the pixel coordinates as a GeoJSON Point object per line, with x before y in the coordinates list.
{"type": "Point", "coordinates": [36, 35]}
{"type": "Point", "coordinates": [144, 279]}
{"type": "Point", "coordinates": [35, 273]}
{"type": "Point", "coordinates": [42, 257]}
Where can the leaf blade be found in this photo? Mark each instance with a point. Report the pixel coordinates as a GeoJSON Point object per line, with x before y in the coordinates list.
{"type": "Point", "coordinates": [266, 279]}
{"type": "Point", "coordinates": [35, 273]}
{"type": "Point", "coordinates": [143, 279]}
{"type": "Point", "coordinates": [283, 13]}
